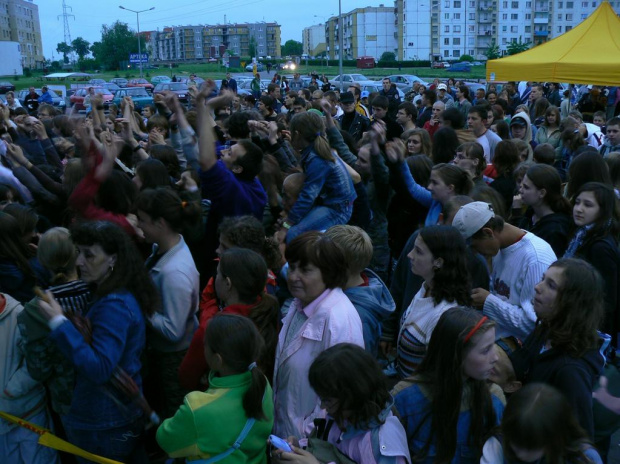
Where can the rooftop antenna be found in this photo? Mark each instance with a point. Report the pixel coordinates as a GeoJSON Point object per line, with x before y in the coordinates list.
{"type": "Point", "coordinates": [65, 15]}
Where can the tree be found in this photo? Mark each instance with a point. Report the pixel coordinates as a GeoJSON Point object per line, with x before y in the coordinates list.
{"type": "Point", "coordinates": [117, 42]}
{"type": "Point", "coordinates": [81, 47]}
{"type": "Point", "coordinates": [466, 58]}
{"type": "Point", "coordinates": [388, 56]}
{"type": "Point", "coordinates": [65, 49]}
{"type": "Point", "coordinates": [252, 46]}
{"type": "Point", "coordinates": [292, 47]}
{"type": "Point", "coordinates": [492, 52]}
{"type": "Point", "coordinates": [515, 47]}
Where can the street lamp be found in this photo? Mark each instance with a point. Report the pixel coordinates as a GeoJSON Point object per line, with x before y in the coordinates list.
{"type": "Point", "coordinates": [138, 21]}
{"type": "Point", "coordinates": [340, 41]}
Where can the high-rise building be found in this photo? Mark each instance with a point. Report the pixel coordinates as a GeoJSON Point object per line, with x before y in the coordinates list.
{"type": "Point", "coordinates": [313, 40]}
{"type": "Point", "coordinates": [366, 32]}
{"type": "Point", "coordinates": [447, 29]}
{"type": "Point", "coordinates": [189, 43]}
{"type": "Point", "coordinates": [19, 22]}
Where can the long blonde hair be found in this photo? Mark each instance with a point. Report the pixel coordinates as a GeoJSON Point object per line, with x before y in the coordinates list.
{"type": "Point", "coordinates": [310, 127]}
{"type": "Point", "coordinates": [57, 253]}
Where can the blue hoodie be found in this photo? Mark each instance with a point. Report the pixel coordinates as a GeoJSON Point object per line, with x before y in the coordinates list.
{"type": "Point", "coordinates": [374, 304]}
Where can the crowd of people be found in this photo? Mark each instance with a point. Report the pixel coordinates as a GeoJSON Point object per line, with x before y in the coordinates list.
{"type": "Point", "coordinates": [371, 279]}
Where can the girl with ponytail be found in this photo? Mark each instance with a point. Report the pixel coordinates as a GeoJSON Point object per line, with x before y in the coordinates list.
{"type": "Point", "coordinates": [240, 286]}
{"type": "Point", "coordinates": [327, 196]}
{"type": "Point", "coordinates": [237, 407]}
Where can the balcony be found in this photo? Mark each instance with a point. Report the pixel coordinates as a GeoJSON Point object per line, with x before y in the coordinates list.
{"type": "Point", "coordinates": [484, 32]}
{"type": "Point", "coordinates": [485, 20]}
{"type": "Point", "coordinates": [541, 20]}
{"type": "Point", "coordinates": [541, 33]}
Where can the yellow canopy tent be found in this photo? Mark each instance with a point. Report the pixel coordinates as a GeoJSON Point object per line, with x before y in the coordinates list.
{"type": "Point", "coordinates": [587, 54]}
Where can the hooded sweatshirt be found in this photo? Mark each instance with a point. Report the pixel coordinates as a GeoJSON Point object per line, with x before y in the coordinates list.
{"type": "Point", "coordinates": [528, 131]}
{"type": "Point", "coordinates": [21, 396]}
{"type": "Point", "coordinates": [374, 304]}
{"type": "Point", "coordinates": [555, 229]}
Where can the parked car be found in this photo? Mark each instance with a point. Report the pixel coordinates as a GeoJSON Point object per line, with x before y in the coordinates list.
{"type": "Point", "coordinates": [250, 67]}
{"type": "Point", "coordinates": [406, 80]}
{"type": "Point", "coordinates": [6, 87]}
{"type": "Point", "coordinates": [57, 100]}
{"type": "Point", "coordinates": [246, 85]}
{"type": "Point", "coordinates": [462, 66]}
{"type": "Point", "coordinates": [120, 81]}
{"type": "Point", "coordinates": [159, 79]}
{"type": "Point", "coordinates": [289, 65]}
{"type": "Point", "coordinates": [477, 63]}
{"type": "Point", "coordinates": [139, 96]}
{"type": "Point", "coordinates": [97, 82]}
{"type": "Point", "coordinates": [111, 86]}
{"type": "Point", "coordinates": [375, 86]}
{"type": "Point", "coordinates": [77, 99]}
{"type": "Point", "coordinates": [141, 83]}
{"type": "Point", "coordinates": [347, 79]}
{"type": "Point", "coordinates": [177, 87]}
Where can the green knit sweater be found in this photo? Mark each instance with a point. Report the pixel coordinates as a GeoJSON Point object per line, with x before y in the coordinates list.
{"type": "Point", "coordinates": [208, 423]}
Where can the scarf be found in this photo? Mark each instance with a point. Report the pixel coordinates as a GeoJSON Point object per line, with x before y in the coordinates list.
{"type": "Point", "coordinates": [577, 240]}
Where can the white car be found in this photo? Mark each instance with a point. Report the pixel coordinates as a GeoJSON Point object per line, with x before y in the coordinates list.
{"type": "Point", "coordinates": [348, 79]}
{"type": "Point", "coordinates": [406, 80]}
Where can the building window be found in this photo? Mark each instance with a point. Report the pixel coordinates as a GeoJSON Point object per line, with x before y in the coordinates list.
{"type": "Point", "coordinates": [471, 28]}
{"type": "Point", "coordinates": [456, 41]}
{"type": "Point", "coordinates": [514, 28]}
{"type": "Point", "coordinates": [569, 5]}
{"type": "Point", "coordinates": [584, 4]}
{"type": "Point", "coordinates": [515, 4]}
{"type": "Point", "coordinates": [457, 15]}
{"type": "Point", "coordinates": [528, 16]}
{"type": "Point", "coordinates": [514, 16]}
{"type": "Point", "coordinates": [560, 4]}
{"type": "Point", "coordinates": [559, 16]}
{"type": "Point", "coordinates": [446, 41]}
{"type": "Point", "coordinates": [472, 4]}
{"type": "Point", "coordinates": [457, 4]}
{"type": "Point", "coordinates": [446, 16]}
{"type": "Point", "coordinates": [472, 16]}
{"type": "Point", "coordinates": [446, 4]}
{"type": "Point", "coordinates": [456, 29]}
{"type": "Point", "coordinates": [504, 4]}
{"type": "Point", "coordinates": [446, 53]}
{"type": "Point", "coordinates": [584, 15]}
{"type": "Point", "coordinates": [504, 28]}
{"type": "Point", "coordinates": [446, 29]}
{"type": "Point", "coordinates": [528, 29]}
{"type": "Point", "coordinates": [505, 16]}
{"type": "Point", "coordinates": [568, 28]}
{"type": "Point", "coordinates": [569, 17]}
{"type": "Point", "coordinates": [528, 4]}
{"type": "Point", "coordinates": [456, 53]}
{"type": "Point", "coordinates": [559, 29]}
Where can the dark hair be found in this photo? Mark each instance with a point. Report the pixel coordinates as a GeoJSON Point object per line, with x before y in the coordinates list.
{"type": "Point", "coordinates": [426, 145]}
{"type": "Point", "coordinates": [152, 173]}
{"type": "Point", "coordinates": [268, 101]}
{"type": "Point", "coordinates": [128, 272]}
{"type": "Point", "coordinates": [26, 217]}
{"type": "Point", "coordinates": [57, 253]}
{"type": "Point", "coordinates": [247, 272]}
{"type": "Point", "coordinates": [587, 167]}
{"type": "Point", "coordinates": [157, 121]}
{"type": "Point", "coordinates": [349, 374]}
{"type": "Point", "coordinates": [453, 175]}
{"type": "Point", "coordinates": [480, 110]}
{"type": "Point", "coordinates": [380, 102]}
{"type": "Point", "coordinates": [445, 143]}
{"type": "Point", "coordinates": [538, 416]}
{"type": "Point", "coordinates": [430, 96]}
{"type": "Point", "coordinates": [451, 282]}
{"type": "Point", "coordinates": [454, 116]}
{"type": "Point", "coordinates": [4, 193]}
{"type": "Point", "coordinates": [251, 161]}
{"type": "Point", "coordinates": [490, 195]}
{"type": "Point", "coordinates": [442, 370]}
{"type": "Point", "coordinates": [316, 249]}
{"type": "Point", "coordinates": [167, 155]}
{"type": "Point", "coordinates": [165, 203]}
{"type": "Point", "coordinates": [248, 232]}
{"type": "Point", "coordinates": [552, 110]}
{"type": "Point", "coordinates": [420, 167]}
{"type": "Point", "coordinates": [236, 339]}
{"type": "Point", "coordinates": [607, 221]}
{"type": "Point", "coordinates": [540, 108]}
{"type": "Point", "coordinates": [12, 246]}
{"type": "Point", "coordinates": [547, 177]}
{"type": "Point", "coordinates": [506, 158]}
{"type": "Point", "coordinates": [578, 310]}
{"type": "Point", "coordinates": [410, 109]}
{"type": "Point", "coordinates": [117, 193]}
{"type": "Point", "coordinates": [238, 124]}
{"type": "Point", "coordinates": [544, 153]}
{"type": "Point", "coordinates": [503, 130]}
{"type": "Point", "coordinates": [464, 90]}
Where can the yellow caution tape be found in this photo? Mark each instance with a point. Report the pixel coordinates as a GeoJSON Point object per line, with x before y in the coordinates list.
{"type": "Point", "coordinates": [46, 438]}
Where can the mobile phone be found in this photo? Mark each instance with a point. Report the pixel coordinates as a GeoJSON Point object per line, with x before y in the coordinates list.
{"type": "Point", "coordinates": [280, 444]}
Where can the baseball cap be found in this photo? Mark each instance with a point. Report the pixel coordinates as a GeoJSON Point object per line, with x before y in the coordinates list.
{"type": "Point", "coordinates": [470, 218]}
{"type": "Point", "coordinates": [346, 97]}
{"type": "Point", "coordinates": [442, 87]}
{"type": "Point", "coordinates": [365, 93]}
{"type": "Point", "coordinates": [517, 121]}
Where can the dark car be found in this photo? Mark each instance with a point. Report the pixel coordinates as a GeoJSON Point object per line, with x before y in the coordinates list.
{"type": "Point", "coordinates": [179, 88]}
{"type": "Point", "coordinates": [6, 87]}
{"type": "Point", "coordinates": [141, 83]}
{"type": "Point", "coordinates": [120, 81]}
{"type": "Point", "coordinates": [463, 66]}
{"type": "Point", "coordinates": [139, 96]}
{"type": "Point", "coordinates": [111, 86]}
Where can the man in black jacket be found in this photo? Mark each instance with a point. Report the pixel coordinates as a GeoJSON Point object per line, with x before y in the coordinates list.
{"type": "Point", "coordinates": [351, 121]}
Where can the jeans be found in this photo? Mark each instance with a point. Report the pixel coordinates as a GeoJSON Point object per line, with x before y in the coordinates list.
{"type": "Point", "coordinates": [320, 218]}
{"type": "Point", "coordinates": [20, 445]}
{"type": "Point", "coordinates": [123, 444]}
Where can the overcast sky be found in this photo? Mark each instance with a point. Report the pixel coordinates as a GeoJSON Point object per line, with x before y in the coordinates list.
{"type": "Point", "coordinates": [292, 15]}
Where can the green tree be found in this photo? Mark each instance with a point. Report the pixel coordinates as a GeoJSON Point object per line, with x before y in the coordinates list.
{"type": "Point", "coordinates": [81, 47]}
{"type": "Point", "coordinates": [515, 47]}
{"type": "Point", "coordinates": [65, 49]}
{"type": "Point", "coordinates": [466, 58]}
{"type": "Point", "coordinates": [292, 47]}
{"type": "Point", "coordinates": [252, 47]}
{"type": "Point", "coordinates": [388, 56]}
{"type": "Point", "coordinates": [117, 42]}
{"type": "Point", "coordinates": [492, 52]}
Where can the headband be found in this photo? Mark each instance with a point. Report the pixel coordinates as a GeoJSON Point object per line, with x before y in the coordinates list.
{"type": "Point", "coordinates": [475, 329]}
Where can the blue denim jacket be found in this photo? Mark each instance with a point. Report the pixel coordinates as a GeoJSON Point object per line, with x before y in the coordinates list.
{"type": "Point", "coordinates": [118, 340]}
{"type": "Point", "coordinates": [326, 181]}
{"type": "Point", "coordinates": [413, 406]}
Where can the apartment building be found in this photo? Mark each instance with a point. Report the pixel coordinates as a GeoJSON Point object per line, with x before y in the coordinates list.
{"type": "Point", "coordinates": [19, 22]}
{"type": "Point", "coordinates": [313, 40]}
{"type": "Point", "coordinates": [447, 29]}
{"type": "Point", "coordinates": [189, 43]}
{"type": "Point", "coordinates": [366, 32]}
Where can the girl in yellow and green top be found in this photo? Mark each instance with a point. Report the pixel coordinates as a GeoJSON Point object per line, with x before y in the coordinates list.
{"type": "Point", "coordinates": [236, 408]}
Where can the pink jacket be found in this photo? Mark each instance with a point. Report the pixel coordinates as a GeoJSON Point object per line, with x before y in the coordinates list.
{"type": "Point", "coordinates": [332, 319]}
